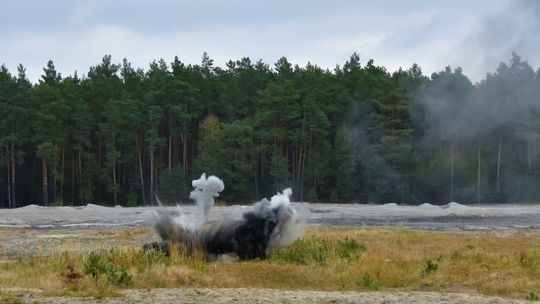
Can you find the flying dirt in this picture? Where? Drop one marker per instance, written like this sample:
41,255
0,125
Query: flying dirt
266,226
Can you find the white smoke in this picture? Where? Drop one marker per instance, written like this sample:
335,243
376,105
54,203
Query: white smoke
290,225
206,189
268,225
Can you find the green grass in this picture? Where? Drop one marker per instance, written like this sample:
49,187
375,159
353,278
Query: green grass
319,251
323,259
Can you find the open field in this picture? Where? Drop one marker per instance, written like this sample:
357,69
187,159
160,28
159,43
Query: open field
395,262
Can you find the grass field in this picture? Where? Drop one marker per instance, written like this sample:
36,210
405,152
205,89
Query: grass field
323,259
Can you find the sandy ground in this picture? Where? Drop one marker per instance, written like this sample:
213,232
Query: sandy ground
452,216
249,295
45,242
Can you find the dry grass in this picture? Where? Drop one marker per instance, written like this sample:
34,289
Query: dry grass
324,259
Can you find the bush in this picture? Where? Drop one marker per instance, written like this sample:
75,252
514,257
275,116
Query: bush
71,274
349,249
94,266
303,252
429,267
319,251
120,277
368,282
112,264
145,260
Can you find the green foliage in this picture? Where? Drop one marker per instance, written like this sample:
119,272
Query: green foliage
319,251
349,249
368,282
354,134
303,251
120,277
532,296
430,267
172,185
95,266
8,298
145,260
112,264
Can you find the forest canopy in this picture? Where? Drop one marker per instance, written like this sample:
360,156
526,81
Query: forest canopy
120,135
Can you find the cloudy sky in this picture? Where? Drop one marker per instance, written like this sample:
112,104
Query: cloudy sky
474,34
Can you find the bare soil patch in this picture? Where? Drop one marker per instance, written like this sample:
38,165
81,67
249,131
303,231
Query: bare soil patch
251,295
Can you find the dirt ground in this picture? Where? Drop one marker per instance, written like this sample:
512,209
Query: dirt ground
45,242
449,217
249,295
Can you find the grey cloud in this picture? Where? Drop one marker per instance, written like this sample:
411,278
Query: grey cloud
76,34
512,28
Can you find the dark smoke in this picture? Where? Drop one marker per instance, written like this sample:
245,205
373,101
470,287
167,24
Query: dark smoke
268,225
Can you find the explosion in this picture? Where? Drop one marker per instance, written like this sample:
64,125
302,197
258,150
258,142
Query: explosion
266,226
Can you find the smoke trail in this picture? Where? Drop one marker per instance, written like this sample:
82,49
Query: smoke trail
268,225
205,191
178,227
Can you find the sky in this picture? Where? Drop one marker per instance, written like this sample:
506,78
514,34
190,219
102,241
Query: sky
475,34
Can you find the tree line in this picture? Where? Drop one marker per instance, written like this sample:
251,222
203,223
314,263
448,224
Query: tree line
357,133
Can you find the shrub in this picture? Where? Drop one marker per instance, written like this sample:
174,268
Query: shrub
94,266
319,251
303,252
369,282
349,249
113,264
71,274
429,267
145,260
120,277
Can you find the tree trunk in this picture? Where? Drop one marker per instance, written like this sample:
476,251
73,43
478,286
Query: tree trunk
452,168
529,157
81,197
170,142
45,184
114,183
256,183
299,173
62,173
170,152
151,194
184,154
141,175
294,168
498,184
262,171
1,190
54,181
72,178
286,161
114,169
99,184
13,175
8,178
478,175
302,170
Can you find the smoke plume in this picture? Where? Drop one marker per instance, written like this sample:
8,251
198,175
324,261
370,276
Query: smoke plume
510,27
266,226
